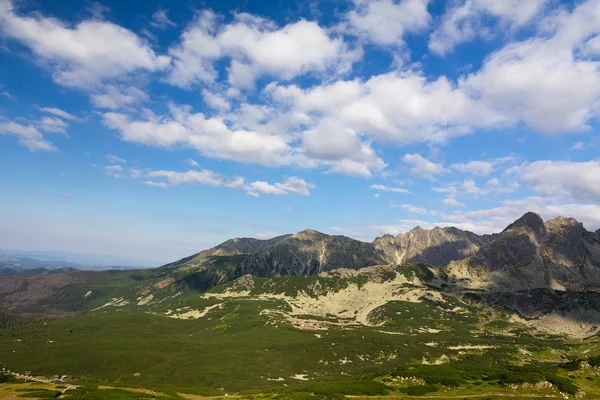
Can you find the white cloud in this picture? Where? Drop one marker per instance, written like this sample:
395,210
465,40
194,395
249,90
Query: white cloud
427,111
116,171
451,201
160,20
341,147
259,187
194,56
216,101
210,136
385,22
191,162
83,55
384,188
113,97
156,184
422,167
115,159
578,146
411,209
28,136
495,219
8,95
469,186
204,177
51,124
267,235
59,113
572,180
478,168
245,137
295,185
256,46
545,81
467,19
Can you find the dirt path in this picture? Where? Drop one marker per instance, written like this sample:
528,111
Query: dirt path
68,388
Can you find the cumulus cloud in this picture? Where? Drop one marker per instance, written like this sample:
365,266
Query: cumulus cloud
260,187
295,185
385,22
468,19
479,168
451,201
113,97
82,55
210,136
573,180
255,46
422,167
216,101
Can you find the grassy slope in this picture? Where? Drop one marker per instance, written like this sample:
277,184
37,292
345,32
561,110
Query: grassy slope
238,348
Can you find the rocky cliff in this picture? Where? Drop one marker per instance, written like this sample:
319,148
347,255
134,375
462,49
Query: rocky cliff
559,254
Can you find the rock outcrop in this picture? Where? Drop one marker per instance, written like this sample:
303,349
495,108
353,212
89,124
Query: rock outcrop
559,254
436,247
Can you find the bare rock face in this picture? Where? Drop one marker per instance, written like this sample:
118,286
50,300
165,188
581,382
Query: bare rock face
310,252
436,247
515,246
559,254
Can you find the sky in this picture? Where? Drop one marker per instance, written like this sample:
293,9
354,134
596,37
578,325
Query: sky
152,130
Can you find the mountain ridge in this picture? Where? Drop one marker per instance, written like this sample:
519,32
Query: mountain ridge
558,254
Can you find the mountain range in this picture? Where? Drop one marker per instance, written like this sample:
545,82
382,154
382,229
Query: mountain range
558,254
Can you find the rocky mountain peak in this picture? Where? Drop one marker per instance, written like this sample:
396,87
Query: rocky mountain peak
309,234
530,222
417,229
559,254
563,224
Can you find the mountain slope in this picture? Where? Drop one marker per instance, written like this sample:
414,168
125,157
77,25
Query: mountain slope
559,254
310,252
435,247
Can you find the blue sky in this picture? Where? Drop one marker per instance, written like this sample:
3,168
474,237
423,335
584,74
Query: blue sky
152,130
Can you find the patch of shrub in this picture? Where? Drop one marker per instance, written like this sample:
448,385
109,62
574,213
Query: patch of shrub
419,390
6,378
41,394
594,361
571,365
563,384
358,387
